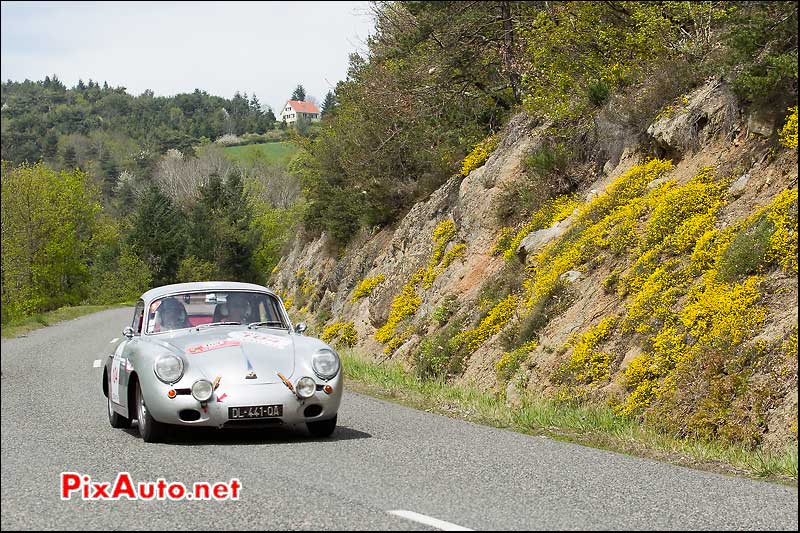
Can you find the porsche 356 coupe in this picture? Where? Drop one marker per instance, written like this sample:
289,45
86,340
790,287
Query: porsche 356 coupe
219,354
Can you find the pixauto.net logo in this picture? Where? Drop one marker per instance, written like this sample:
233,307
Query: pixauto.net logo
81,486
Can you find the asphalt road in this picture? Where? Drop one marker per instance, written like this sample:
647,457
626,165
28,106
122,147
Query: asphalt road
382,458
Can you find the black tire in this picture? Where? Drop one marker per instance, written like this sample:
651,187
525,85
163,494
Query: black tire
150,429
115,419
323,428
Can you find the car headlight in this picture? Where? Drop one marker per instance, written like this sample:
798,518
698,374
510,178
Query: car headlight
305,387
202,390
325,363
169,368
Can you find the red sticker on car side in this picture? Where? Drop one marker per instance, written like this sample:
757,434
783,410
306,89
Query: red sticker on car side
207,347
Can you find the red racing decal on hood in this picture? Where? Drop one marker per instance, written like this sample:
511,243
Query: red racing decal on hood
208,346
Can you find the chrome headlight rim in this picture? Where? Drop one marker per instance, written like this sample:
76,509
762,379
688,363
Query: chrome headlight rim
305,383
326,374
168,379
210,390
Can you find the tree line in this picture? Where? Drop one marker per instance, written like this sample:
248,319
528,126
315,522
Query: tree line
105,195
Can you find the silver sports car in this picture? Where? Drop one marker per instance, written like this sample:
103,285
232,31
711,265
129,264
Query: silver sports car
219,354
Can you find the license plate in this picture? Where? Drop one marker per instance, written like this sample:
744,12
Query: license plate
255,411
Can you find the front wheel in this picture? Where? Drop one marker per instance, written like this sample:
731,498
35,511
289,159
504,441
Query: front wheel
323,428
150,429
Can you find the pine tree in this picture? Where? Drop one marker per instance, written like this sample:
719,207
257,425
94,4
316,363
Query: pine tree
299,93
329,103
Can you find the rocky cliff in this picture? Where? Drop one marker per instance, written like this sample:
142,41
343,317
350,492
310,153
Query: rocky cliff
663,281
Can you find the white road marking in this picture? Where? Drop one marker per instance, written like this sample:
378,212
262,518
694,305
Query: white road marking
115,339
96,363
428,521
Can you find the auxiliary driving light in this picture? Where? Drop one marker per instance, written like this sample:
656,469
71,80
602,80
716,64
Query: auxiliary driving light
305,387
202,390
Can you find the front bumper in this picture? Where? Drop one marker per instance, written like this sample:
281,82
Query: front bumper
215,412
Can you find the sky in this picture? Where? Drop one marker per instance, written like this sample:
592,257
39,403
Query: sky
265,48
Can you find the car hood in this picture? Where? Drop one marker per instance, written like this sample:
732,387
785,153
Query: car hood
235,355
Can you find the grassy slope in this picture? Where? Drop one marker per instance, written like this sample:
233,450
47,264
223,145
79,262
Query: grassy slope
278,152
24,326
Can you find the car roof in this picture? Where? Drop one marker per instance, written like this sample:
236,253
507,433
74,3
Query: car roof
165,290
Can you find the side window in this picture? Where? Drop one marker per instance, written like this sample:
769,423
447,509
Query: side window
138,317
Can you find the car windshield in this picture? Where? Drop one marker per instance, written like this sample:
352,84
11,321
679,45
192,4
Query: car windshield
195,309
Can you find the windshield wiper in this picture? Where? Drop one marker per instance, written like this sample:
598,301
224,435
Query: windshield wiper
269,324
218,324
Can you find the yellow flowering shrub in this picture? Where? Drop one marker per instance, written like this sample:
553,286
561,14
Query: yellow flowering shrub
587,365
609,220
717,312
680,204
782,212
408,301
479,154
287,302
788,134
342,333
552,211
494,321
433,272
651,305
404,305
366,286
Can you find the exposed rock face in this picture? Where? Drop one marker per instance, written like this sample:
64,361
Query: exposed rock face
398,253
706,132
706,113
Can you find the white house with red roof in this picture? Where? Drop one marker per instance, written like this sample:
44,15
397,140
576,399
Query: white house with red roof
295,109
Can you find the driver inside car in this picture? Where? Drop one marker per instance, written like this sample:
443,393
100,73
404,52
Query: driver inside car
172,315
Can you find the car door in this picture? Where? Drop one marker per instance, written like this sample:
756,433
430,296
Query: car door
121,364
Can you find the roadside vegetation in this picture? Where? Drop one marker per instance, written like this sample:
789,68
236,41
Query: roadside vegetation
592,425
16,328
691,281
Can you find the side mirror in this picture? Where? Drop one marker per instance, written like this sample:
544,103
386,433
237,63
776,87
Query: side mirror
128,332
300,327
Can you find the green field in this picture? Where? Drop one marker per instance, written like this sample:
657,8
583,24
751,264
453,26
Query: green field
278,152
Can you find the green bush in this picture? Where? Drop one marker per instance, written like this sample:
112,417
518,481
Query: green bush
442,313
440,355
548,159
747,253
598,93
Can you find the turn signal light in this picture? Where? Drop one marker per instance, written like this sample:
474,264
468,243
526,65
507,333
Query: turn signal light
328,389
172,393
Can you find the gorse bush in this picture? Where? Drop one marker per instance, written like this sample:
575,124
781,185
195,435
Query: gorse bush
788,134
508,365
408,301
340,334
586,364
478,156
366,286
